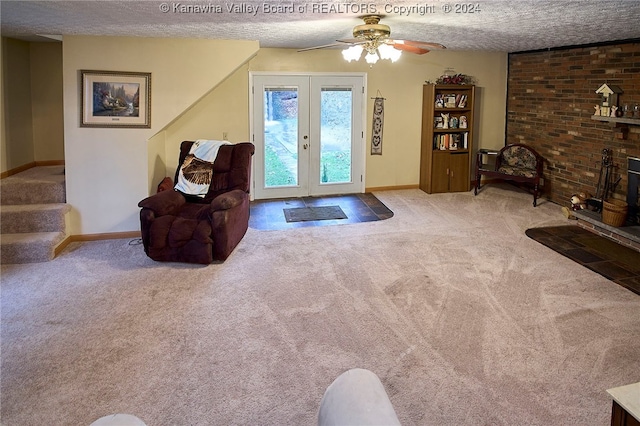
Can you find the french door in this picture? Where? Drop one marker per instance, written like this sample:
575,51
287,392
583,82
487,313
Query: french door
308,133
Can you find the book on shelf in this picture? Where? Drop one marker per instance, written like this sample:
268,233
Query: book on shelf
441,141
451,141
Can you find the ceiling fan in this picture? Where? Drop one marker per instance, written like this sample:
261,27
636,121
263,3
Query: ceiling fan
374,38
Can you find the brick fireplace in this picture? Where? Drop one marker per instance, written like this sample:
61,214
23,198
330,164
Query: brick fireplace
550,101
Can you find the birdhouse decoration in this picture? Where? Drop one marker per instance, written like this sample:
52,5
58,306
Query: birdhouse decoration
608,100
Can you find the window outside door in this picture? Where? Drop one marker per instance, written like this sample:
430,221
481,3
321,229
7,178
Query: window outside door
308,132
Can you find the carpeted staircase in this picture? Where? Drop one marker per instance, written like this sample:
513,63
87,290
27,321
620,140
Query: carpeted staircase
32,214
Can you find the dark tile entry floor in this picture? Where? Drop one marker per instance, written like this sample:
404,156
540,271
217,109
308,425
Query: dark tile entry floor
613,261
269,214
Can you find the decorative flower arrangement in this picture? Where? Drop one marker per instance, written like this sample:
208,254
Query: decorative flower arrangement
455,79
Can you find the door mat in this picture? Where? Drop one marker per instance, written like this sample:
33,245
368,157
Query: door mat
613,261
307,214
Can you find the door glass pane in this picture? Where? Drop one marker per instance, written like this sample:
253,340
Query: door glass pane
281,136
335,135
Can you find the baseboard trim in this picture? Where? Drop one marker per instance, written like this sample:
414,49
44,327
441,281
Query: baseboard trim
63,244
17,170
29,166
107,236
94,237
49,163
391,188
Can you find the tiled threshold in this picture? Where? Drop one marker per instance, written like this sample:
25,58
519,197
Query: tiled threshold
628,236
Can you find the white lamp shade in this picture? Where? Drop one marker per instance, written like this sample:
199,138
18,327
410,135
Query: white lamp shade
389,52
352,53
371,58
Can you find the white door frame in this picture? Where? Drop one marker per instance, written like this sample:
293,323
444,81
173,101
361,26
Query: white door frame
257,127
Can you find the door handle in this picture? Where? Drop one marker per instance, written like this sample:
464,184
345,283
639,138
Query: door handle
305,146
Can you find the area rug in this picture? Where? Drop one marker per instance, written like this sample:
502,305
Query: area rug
307,214
613,261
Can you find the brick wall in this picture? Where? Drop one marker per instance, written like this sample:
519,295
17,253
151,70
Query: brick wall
550,101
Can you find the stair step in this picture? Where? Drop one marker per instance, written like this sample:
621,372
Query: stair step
32,214
38,185
29,218
29,247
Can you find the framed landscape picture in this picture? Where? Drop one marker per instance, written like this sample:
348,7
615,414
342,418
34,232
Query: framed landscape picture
115,99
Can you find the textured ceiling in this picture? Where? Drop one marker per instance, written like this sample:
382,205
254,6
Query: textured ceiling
497,25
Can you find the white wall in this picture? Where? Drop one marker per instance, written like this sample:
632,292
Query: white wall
17,124
46,100
200,89
108,170
225,109
401,84
31,102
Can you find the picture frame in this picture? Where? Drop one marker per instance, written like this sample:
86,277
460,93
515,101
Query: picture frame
450,101
115,99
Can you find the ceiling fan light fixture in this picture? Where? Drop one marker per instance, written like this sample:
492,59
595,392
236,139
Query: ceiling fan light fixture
371,32
352,53
373,39
389,52
371,29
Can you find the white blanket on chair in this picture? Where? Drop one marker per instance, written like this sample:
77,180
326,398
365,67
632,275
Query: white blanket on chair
196,172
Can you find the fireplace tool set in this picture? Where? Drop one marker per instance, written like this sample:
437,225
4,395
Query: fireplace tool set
605,185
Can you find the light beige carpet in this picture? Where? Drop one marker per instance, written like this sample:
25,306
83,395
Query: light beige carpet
464,318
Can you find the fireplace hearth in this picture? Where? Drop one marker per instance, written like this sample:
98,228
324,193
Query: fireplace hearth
592,221
629,233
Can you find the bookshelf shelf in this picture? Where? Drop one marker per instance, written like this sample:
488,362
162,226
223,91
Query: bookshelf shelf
447,137
450,130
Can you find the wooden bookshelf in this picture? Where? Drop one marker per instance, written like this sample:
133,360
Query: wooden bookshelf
446,143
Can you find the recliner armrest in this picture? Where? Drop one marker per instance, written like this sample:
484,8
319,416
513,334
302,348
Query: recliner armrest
228,200
163,203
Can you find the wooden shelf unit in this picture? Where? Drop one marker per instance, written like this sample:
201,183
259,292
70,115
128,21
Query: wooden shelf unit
443,169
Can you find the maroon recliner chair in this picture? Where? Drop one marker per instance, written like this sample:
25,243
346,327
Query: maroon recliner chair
180,228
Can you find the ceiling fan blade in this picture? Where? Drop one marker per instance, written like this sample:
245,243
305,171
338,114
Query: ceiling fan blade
321,47
409,48
422,44
352,41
